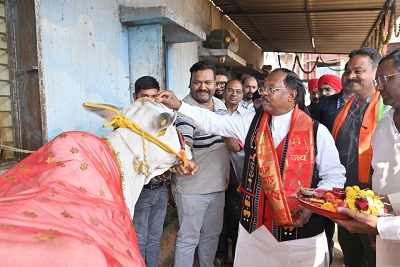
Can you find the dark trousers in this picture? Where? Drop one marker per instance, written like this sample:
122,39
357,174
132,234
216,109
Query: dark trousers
357,250
329,232
231,221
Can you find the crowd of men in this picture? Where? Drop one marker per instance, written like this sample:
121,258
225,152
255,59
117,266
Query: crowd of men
255,144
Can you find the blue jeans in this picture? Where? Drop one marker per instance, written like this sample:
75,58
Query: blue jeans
148,220
200,223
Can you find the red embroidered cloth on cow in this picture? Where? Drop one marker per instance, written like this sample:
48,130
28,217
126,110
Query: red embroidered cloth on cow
70,187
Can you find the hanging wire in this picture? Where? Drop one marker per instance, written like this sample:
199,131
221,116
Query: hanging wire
302,69
279,60
320,57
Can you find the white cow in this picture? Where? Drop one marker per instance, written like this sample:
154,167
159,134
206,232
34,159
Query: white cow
64,204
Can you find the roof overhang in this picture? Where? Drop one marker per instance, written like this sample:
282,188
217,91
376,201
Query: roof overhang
307,26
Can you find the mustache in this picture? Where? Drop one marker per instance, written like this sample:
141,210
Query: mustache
352,81
204,91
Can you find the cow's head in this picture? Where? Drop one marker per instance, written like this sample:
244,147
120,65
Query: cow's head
135,151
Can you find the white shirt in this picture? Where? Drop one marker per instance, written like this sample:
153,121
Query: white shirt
330,170
386,181
386,160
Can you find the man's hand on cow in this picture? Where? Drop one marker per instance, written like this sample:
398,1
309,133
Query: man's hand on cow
191,168
359,222
169,99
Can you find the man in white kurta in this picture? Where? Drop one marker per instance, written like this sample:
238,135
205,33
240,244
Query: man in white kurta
260,245
386,181
386,165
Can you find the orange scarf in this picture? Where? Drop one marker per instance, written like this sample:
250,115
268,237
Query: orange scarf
298,166
374,112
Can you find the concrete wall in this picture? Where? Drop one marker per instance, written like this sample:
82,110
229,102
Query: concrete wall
84,55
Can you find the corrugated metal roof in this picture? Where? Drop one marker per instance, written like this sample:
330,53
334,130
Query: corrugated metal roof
290,25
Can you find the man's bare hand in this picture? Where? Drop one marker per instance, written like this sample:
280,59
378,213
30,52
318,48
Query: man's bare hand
169,99
300,216
191,168
359,222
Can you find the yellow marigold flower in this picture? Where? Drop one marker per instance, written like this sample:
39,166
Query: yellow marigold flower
351,194
328,206
361,193
373,210
352,204
369,193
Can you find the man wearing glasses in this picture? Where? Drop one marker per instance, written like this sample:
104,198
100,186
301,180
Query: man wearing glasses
284,148
352,131
232,95
329,84
386,165
222,76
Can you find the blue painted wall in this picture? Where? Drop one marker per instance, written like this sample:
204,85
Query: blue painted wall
83,54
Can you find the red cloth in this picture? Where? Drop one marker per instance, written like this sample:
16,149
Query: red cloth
313,83
298,167
332,80
69,188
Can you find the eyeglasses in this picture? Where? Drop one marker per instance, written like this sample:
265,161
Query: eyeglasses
269,89
327,90
222,84
381,80
231,91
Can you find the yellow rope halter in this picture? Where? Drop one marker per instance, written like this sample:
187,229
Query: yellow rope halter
122,121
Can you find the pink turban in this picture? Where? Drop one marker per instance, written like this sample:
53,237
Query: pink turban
313,83
332,80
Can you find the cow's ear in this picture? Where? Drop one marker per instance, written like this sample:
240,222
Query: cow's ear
163,121
102,112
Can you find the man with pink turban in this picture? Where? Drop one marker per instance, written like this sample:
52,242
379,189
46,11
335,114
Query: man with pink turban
329,84
314,97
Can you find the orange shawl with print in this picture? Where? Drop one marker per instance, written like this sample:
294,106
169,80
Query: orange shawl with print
298,165
374,112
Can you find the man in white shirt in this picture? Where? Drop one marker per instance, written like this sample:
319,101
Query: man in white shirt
232,94
386,165
250,85
284,148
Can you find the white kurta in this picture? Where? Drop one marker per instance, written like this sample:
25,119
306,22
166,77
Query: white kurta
386,181
260,247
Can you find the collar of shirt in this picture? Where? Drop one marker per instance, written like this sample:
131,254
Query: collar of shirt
280,127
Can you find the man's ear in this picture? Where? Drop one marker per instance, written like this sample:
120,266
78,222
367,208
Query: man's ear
292,94
134,96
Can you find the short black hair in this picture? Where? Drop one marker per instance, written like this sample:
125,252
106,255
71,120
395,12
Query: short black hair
201,65
395,55
372,53
146,82
293,82
223,72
